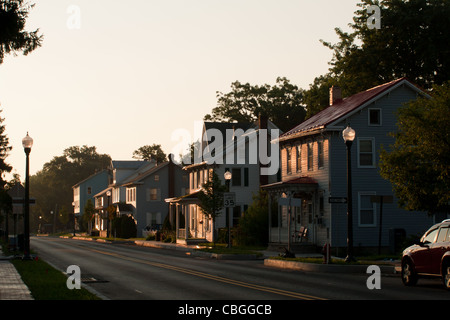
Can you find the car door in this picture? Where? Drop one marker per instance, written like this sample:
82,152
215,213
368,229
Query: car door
438,249
422,255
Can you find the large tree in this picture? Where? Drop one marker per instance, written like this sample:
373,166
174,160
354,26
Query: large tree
13,37
418,164
412,42
53,184
153,152
281,103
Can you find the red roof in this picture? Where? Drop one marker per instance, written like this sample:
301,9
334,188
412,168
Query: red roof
339,109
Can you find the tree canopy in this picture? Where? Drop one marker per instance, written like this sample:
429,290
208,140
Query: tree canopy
153,152
53,184
418,164
281,103
412,42
13,37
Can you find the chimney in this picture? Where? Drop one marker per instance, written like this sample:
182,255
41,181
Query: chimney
262,121
335,95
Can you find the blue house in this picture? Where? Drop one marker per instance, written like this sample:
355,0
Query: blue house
312,192
87,188
146,190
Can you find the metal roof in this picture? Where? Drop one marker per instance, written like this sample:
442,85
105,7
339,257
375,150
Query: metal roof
340,109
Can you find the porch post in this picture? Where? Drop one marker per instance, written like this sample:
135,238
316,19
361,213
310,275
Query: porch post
186,223
177,221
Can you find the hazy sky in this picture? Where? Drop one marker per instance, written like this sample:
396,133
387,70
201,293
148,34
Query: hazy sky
123,74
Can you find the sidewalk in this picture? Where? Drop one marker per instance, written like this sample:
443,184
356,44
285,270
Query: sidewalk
11,284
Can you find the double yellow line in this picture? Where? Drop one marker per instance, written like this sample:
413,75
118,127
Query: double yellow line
286,293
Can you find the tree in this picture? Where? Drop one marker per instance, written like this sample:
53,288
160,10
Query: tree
5,148
153,152
412,42
253,227
281,103
88,216
211,199
13,38
418,164
53,184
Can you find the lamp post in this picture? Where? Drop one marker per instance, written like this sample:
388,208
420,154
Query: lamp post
349,135
27,143
227,175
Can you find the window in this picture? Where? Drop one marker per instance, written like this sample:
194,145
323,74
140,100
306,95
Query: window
89,190
299,157
366,152
374,117
236,177
246,177
430,236
320,154
288,160
442,237
310,156
131,194
156,177
367,212
153,194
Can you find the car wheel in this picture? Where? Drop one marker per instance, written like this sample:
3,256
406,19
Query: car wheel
446,276
409,276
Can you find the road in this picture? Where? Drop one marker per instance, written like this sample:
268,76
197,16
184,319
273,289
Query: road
129,272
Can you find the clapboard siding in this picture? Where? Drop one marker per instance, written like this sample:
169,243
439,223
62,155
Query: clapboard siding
366,180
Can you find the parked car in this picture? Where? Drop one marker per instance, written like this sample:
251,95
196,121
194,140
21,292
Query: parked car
430,257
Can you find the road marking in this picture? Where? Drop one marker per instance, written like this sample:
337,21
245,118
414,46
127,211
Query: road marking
215,278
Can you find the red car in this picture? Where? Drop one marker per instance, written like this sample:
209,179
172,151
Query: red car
430,257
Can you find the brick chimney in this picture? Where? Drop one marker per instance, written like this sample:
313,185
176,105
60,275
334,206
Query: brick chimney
335,95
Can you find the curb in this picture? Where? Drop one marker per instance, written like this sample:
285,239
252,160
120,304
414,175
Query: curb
328,268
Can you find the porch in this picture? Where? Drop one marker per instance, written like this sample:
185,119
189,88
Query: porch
293,225
191,225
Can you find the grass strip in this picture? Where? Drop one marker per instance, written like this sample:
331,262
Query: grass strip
47,283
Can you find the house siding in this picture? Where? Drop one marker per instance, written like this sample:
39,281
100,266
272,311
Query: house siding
366,180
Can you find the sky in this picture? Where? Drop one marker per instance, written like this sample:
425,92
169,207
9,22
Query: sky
119,75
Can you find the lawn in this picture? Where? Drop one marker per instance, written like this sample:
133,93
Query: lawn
47,283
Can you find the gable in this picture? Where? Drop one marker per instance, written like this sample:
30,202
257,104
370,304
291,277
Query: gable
345,108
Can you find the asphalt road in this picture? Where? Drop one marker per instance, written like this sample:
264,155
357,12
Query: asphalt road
129,272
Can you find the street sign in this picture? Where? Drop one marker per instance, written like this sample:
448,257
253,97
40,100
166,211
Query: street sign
337,200
229,199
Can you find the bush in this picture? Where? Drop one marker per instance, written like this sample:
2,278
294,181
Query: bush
124,227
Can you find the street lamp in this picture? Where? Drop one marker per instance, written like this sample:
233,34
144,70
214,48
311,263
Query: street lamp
349,135
27,143
227,175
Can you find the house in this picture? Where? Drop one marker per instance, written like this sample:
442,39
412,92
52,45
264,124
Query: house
111,200
146,190
313,189
226,147
87,188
